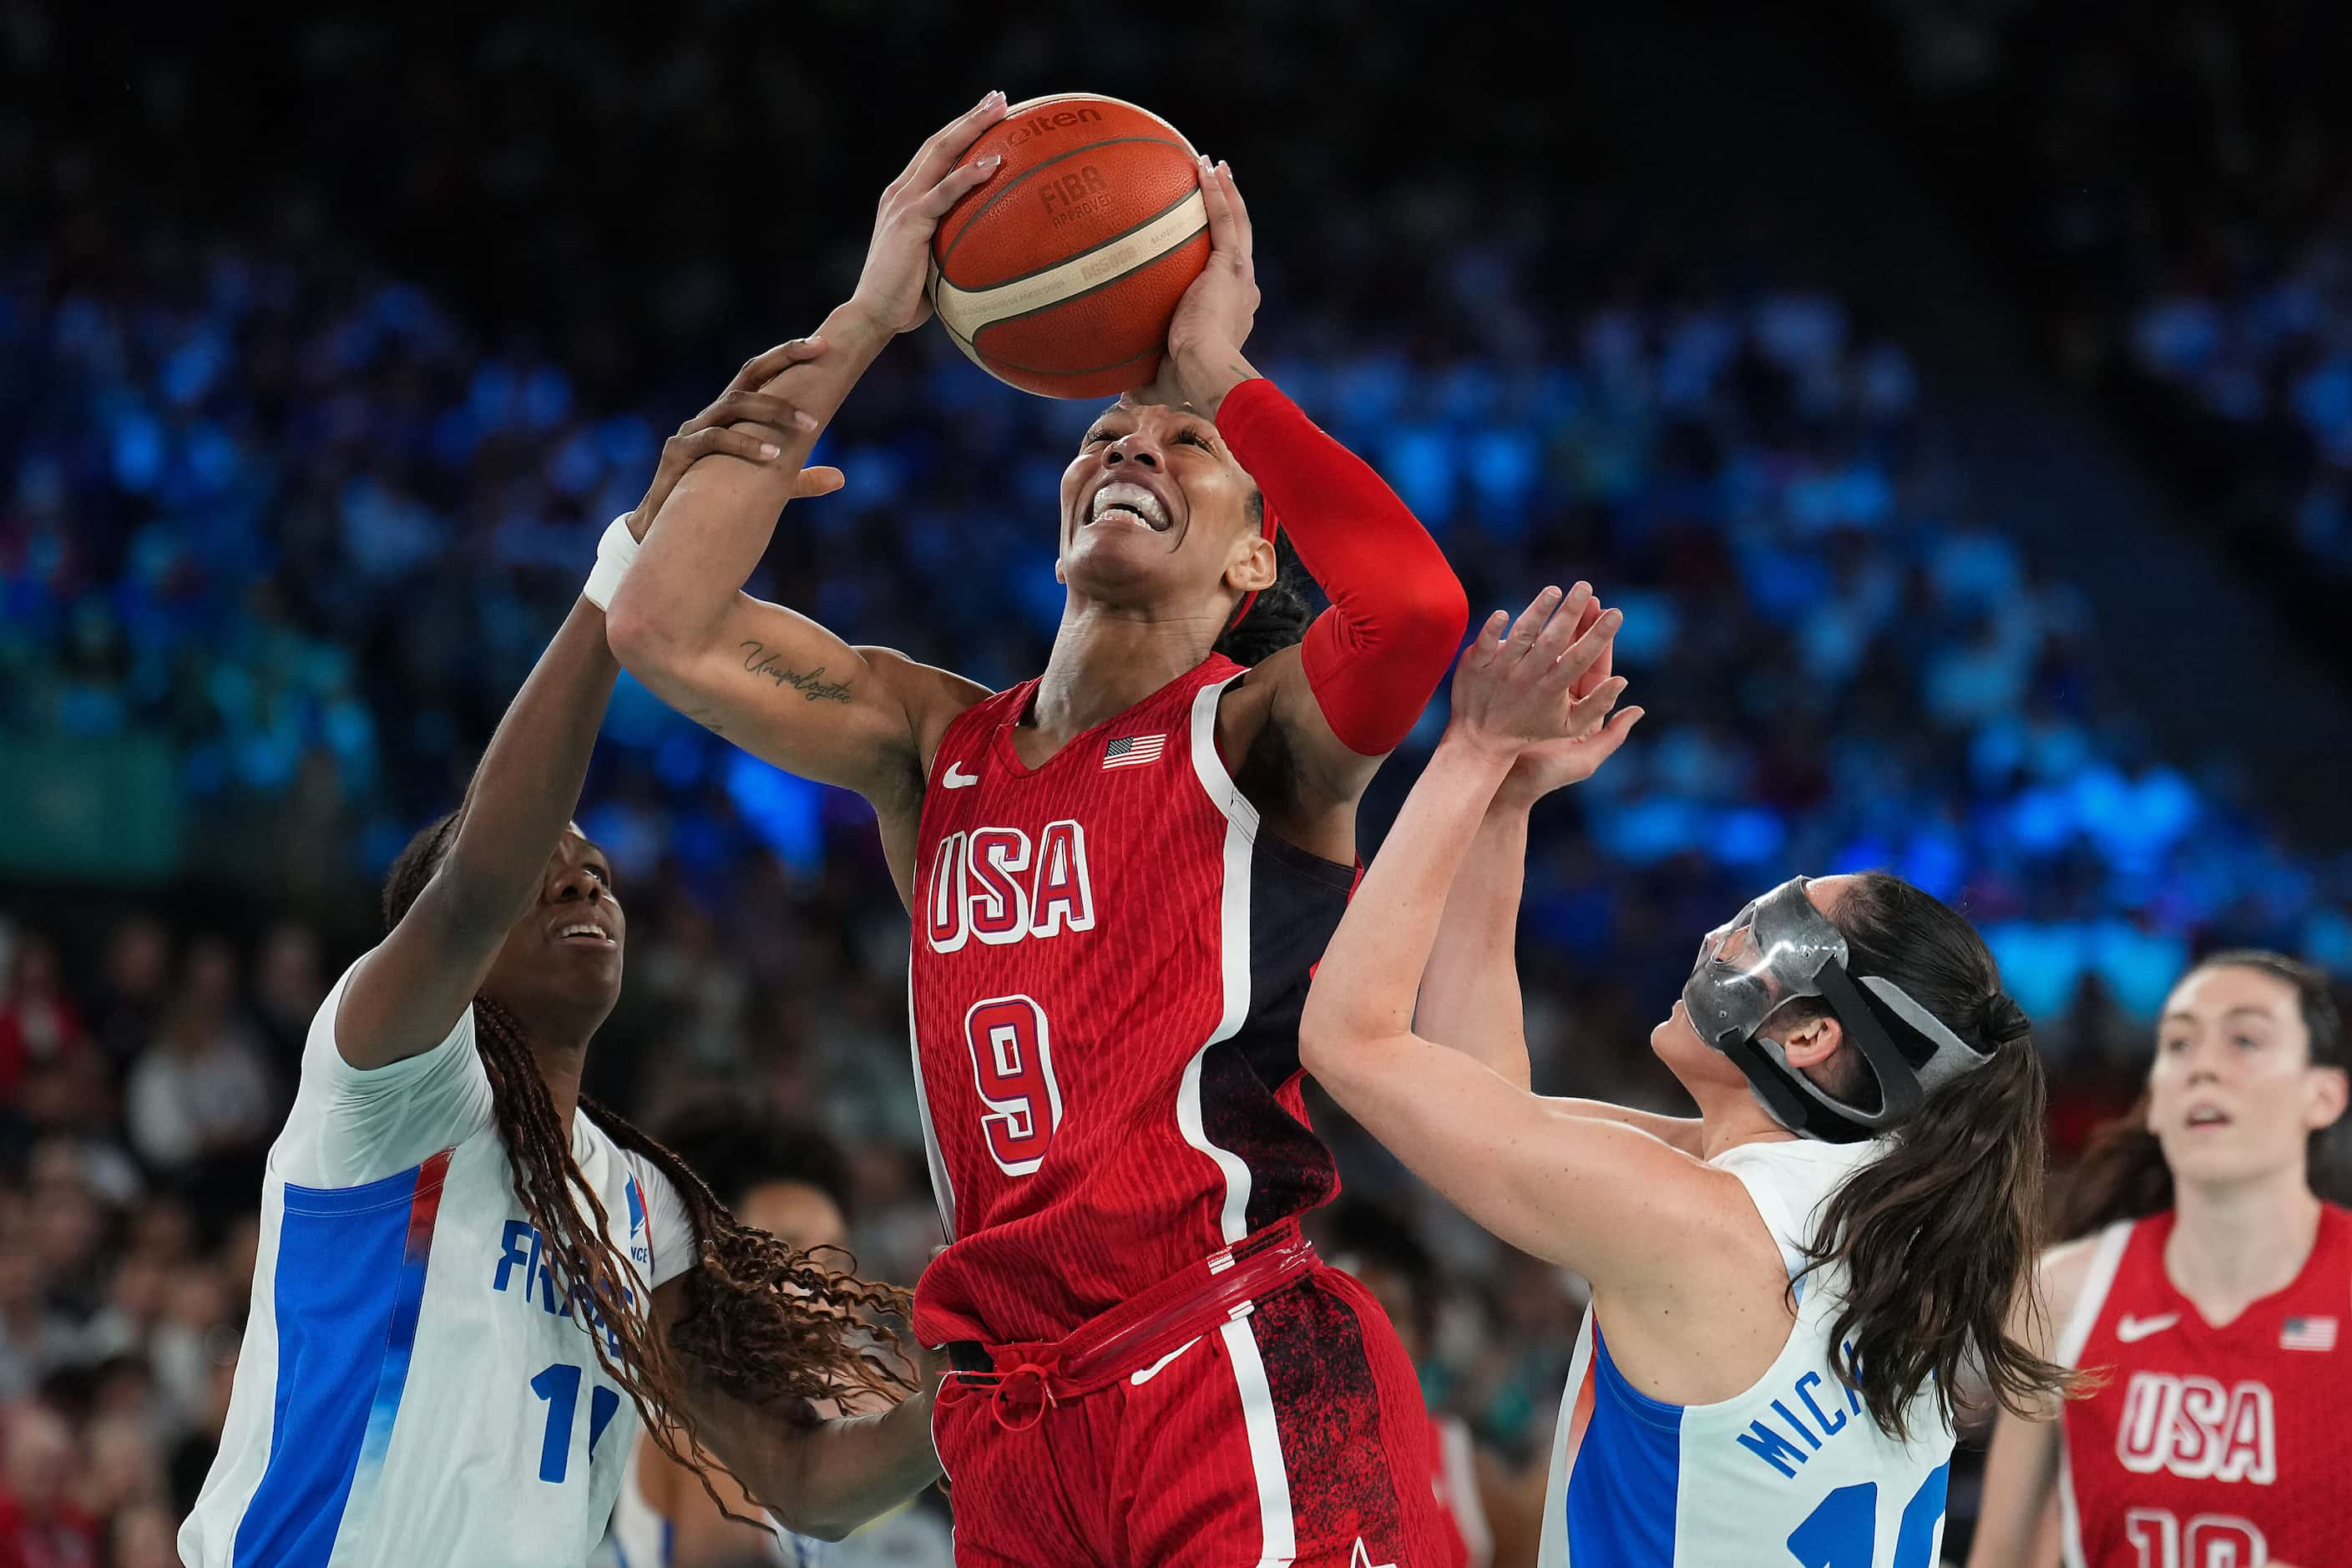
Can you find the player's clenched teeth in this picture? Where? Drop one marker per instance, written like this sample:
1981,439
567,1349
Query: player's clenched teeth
1134,500
584,931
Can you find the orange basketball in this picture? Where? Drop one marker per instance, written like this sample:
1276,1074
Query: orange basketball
1060,274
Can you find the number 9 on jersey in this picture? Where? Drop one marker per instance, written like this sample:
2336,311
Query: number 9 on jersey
1013,1068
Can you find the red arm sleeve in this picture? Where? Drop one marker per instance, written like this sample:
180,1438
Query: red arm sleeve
1397,610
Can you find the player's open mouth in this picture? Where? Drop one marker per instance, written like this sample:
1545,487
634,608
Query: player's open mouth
585,933
2207,1116
1129,503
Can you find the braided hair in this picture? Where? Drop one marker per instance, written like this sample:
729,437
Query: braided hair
1281,613
763,1323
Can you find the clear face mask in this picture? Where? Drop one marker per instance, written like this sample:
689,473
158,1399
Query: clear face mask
1779,948
1770,952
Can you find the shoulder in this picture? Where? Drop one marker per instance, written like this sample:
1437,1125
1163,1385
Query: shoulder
1734,1204
2063,1272
658,1219
922,687
322,1056
2063,1281
931,698
1785,1181
1279,747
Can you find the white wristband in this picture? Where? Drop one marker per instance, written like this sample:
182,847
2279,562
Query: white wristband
613,553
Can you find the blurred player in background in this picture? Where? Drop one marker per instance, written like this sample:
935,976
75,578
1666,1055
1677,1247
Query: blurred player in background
1785,1289
2209,1286
788,1180
473,1284
1120,874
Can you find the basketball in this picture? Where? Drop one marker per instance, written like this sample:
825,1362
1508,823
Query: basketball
1060,274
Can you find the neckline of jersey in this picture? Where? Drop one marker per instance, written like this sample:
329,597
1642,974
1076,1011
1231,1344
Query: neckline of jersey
2193,1316
1001,742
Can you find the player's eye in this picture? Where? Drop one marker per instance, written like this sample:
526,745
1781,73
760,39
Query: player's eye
2175,1044
1098,434
1196,438
2246,1042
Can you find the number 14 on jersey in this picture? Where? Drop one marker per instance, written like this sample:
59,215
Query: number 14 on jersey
1842,1533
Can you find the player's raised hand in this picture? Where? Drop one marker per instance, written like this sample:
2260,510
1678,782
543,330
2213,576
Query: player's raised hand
1214,319
773,422
1595,732
891,290
1516,686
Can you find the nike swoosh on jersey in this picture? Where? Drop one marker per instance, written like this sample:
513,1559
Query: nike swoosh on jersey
2130,1330
956,778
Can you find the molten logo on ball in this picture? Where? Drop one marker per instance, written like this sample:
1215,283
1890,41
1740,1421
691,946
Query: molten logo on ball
1039,124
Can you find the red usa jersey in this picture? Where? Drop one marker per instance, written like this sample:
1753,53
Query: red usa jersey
2209,1448
1110,961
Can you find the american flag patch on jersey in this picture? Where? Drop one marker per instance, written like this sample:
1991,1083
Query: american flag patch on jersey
1133,751
2308,1335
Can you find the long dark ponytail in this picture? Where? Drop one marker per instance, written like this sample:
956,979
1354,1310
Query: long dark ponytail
763,1323
2122,1174
1937,1237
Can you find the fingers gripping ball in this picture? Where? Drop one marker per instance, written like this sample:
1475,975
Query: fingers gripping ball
1060,273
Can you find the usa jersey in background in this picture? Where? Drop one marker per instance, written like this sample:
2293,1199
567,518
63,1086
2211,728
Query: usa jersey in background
411,1388
2209,1448
1792,1472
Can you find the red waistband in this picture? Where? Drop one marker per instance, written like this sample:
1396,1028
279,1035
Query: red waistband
1137,1333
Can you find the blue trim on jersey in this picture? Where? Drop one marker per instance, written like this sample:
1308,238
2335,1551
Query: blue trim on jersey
1625,1487
347,1292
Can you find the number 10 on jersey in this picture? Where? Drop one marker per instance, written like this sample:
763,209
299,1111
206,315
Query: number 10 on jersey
1013,1068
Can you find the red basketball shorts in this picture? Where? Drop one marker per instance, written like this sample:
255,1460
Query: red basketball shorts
1295,1435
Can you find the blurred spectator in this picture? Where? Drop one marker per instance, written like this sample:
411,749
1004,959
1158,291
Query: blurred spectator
288,987
138,971
42,1524
143,1536
31,1341
201,1104
40,1029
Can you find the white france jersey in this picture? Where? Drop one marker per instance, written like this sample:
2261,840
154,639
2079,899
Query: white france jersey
411,1389
1792,1472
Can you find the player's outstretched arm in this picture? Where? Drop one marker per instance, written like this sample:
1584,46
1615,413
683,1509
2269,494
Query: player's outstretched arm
1470,990
1554,1183
773,681
1470,996
407,995
1354,688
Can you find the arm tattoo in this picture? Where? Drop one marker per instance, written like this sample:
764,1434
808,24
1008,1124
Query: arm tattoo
811,684
708,719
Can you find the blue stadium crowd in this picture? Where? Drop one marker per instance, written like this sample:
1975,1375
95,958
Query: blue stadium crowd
2170,181
297,520
314,531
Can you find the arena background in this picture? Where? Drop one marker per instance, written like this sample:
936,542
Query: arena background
1957,395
